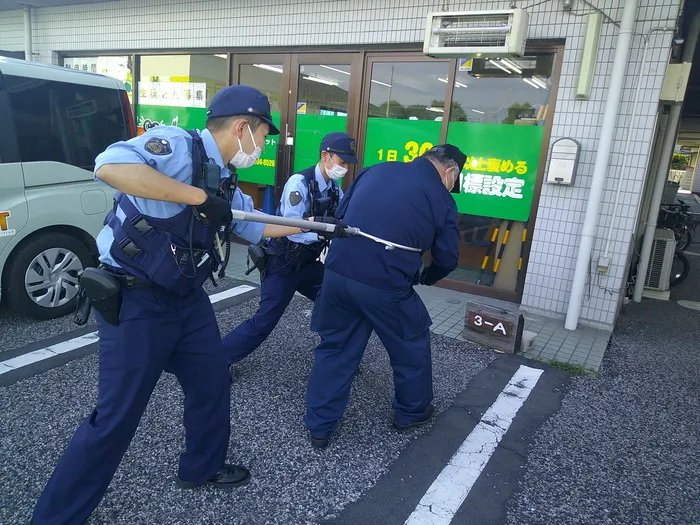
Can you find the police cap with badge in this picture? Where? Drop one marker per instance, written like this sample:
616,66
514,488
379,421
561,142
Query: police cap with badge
342,145
242,101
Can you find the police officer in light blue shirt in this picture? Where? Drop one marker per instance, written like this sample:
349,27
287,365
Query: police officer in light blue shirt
157,248
292,263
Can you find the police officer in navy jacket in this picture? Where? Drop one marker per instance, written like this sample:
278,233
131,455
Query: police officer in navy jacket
367,287
158,244
293,263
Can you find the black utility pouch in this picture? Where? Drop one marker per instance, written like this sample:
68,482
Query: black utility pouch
104,291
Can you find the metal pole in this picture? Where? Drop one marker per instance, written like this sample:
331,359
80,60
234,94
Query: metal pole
315,226
607,134
662,171
28,53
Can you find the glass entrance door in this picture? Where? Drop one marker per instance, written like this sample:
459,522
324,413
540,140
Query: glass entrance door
311,95
324,90
270,75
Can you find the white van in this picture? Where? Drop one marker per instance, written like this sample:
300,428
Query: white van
54,121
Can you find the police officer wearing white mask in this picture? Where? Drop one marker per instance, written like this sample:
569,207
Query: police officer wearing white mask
291,264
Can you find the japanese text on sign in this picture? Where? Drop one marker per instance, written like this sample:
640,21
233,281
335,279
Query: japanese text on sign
496,165
413,150
490,185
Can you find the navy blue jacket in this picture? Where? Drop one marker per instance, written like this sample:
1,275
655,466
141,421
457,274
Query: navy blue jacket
405,203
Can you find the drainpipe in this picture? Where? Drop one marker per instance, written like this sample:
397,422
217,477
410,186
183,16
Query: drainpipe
28,33
607,134
662,172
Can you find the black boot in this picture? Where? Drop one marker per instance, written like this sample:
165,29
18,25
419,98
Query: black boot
417,423
227,477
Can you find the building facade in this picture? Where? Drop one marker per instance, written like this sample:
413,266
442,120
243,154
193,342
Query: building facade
358,66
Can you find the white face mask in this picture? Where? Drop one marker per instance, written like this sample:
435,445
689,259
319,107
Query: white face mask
336,171
244,160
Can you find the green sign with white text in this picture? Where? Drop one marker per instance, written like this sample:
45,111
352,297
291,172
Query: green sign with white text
498,179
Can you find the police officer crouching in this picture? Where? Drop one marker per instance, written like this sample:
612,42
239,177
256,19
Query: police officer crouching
368,288
291,264
160,243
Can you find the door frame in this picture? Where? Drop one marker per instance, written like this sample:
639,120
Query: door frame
247,59
557,48
352,59
388,57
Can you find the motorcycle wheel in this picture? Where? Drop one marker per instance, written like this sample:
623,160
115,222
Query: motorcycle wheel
683,241
679,269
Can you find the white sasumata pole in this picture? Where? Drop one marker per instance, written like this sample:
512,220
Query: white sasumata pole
315,226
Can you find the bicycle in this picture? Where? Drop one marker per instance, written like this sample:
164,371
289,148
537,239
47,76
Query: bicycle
681,220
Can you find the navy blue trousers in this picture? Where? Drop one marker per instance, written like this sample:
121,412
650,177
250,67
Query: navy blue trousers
157,331
344,315
277,289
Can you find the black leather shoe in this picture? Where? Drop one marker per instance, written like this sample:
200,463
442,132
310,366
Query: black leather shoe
228,477
319,442
418,422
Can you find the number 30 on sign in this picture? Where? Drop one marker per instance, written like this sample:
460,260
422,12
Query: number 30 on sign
413,150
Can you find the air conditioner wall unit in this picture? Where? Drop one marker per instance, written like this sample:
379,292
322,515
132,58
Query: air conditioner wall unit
468,34
663,249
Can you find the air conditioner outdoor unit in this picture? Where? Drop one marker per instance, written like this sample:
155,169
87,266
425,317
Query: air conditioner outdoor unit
468,34
662,252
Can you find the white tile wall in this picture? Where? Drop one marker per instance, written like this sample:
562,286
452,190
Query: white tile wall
179,24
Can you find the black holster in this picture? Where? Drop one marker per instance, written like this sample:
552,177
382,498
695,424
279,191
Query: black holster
100,289
259,257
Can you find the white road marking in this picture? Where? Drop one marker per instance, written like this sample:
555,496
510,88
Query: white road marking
231,292
84,340
447,493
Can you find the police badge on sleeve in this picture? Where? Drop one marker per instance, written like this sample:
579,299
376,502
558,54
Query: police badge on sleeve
158,146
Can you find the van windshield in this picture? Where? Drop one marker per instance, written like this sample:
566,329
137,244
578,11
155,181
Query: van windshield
64,122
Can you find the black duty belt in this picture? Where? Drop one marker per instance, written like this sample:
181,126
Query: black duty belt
128,281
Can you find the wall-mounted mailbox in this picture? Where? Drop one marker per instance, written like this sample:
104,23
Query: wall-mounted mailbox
563,161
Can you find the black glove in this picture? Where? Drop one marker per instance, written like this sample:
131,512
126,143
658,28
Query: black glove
339,230
216,210
425,277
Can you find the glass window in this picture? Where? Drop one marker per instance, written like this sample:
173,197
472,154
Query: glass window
64,122
260,178
176,89
499,109
405,111
321,108
119,67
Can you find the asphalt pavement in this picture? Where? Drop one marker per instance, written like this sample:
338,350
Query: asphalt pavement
625,447
621,448
291,482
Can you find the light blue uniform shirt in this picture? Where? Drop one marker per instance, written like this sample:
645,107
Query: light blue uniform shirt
295,183
176,164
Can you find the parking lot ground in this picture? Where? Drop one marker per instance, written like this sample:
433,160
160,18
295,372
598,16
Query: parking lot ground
292,483
540,448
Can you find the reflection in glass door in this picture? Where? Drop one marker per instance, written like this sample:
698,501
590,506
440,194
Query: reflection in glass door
321,107
405,110
323,99
258,181
499,111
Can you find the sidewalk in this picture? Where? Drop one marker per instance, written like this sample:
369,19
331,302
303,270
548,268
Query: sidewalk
584,347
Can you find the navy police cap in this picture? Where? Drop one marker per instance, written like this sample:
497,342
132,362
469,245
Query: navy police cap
241,100
341,144
451,152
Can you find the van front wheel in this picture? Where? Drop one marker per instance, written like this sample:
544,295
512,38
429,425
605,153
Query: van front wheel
42,279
